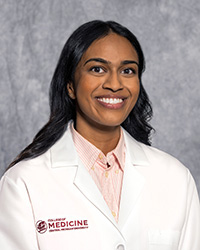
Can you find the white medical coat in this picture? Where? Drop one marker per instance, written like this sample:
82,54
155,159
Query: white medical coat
52,203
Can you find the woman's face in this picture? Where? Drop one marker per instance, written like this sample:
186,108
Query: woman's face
106,84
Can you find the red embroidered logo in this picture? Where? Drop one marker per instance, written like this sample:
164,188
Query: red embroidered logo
41,226
60,224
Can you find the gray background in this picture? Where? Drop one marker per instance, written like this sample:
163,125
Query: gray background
33,32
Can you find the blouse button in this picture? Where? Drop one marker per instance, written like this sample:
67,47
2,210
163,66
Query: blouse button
113,213
100,156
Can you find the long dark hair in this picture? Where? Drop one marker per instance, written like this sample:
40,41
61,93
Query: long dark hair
62,108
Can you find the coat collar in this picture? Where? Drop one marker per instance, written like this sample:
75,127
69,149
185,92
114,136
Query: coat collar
135,150
63,152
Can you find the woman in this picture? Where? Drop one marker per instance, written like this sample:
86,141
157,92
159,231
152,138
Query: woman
90,179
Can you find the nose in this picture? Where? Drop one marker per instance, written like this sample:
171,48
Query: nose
113,82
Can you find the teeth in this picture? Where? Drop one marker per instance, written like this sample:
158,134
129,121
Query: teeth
111,100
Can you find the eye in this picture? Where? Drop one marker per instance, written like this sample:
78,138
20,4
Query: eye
97,69
128,71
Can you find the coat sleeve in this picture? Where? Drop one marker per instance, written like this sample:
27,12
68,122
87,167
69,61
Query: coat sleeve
190,237
17,229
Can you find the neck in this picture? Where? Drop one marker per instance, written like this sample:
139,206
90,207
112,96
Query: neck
103,137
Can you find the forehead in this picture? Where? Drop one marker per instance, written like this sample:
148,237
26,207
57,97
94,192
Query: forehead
112,47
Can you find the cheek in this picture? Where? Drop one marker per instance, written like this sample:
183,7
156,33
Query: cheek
85,87
135,94
135,90
138,91
83,94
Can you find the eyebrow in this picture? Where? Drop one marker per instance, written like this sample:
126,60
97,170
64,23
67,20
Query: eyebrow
101,60
130,62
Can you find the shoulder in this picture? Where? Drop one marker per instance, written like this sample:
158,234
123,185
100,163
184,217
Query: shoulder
166,166
62,153
28,169
156,155
162,169
158,162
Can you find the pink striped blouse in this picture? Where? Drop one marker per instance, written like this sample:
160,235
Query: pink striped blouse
106,171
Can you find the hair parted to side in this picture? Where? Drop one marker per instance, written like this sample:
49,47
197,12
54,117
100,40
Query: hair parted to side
62,107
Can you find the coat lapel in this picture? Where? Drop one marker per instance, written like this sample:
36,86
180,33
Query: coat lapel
133,181
84,182
63,154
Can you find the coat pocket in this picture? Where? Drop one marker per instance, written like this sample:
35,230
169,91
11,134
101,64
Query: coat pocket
163,239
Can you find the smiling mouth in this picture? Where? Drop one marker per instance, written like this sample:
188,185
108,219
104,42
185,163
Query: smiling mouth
110,100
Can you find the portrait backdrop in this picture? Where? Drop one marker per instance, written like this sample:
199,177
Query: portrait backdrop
33,32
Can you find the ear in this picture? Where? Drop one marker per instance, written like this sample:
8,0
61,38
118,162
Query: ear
70,89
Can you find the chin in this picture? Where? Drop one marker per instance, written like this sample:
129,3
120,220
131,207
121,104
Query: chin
111,123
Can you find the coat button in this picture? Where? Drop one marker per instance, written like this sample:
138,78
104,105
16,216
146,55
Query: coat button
120,247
